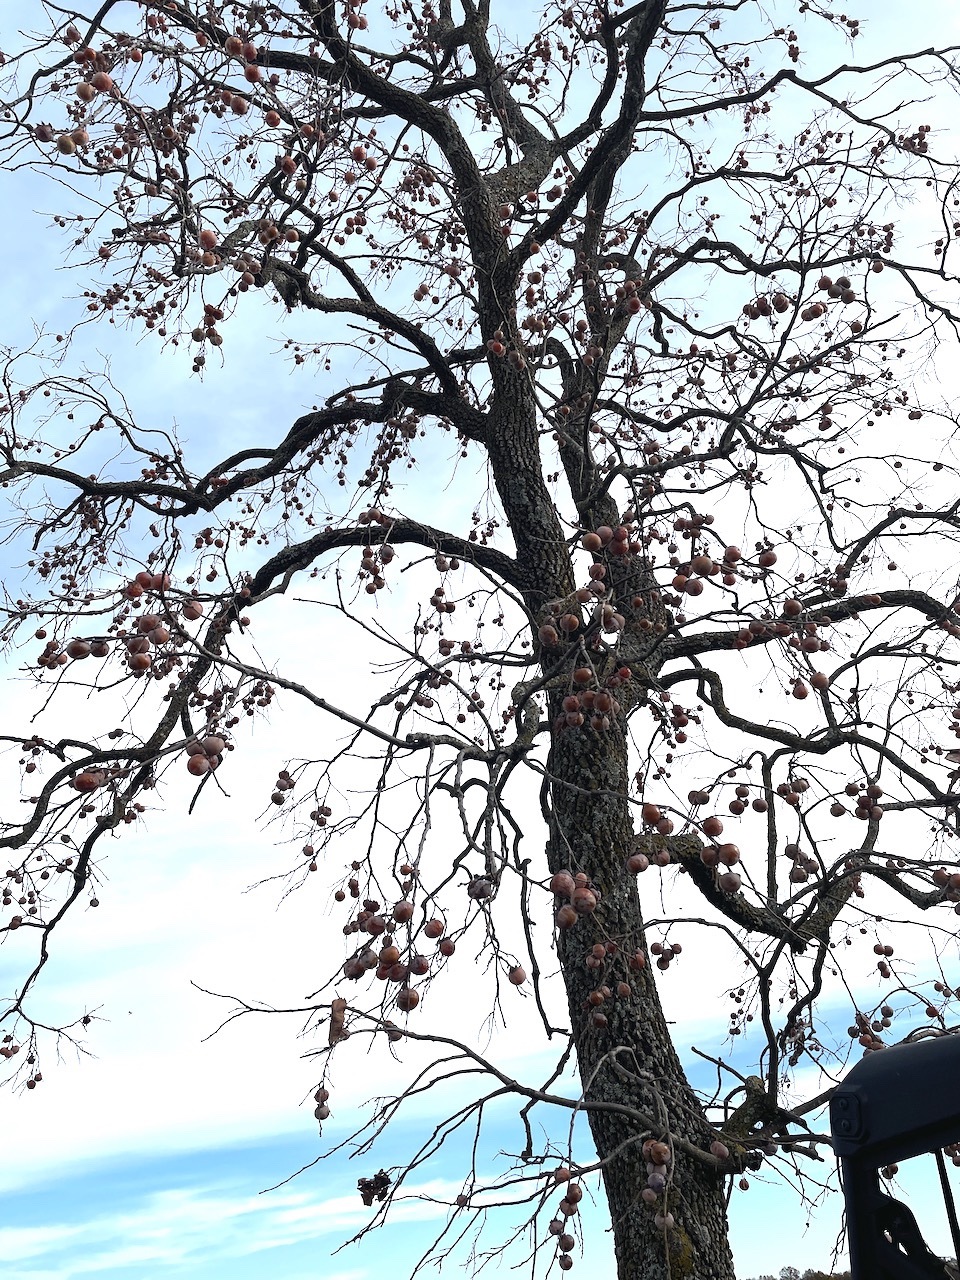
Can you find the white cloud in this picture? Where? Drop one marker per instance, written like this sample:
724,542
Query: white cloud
174,1226
175,911
20,1243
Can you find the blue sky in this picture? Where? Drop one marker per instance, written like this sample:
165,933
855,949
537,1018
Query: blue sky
149,1159
201,1214
198,1214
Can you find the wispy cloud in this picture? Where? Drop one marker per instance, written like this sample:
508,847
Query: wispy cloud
185,1227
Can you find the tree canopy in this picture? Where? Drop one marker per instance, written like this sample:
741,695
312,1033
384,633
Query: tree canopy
621,329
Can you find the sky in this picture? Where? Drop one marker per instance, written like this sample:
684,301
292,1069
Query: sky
152,1153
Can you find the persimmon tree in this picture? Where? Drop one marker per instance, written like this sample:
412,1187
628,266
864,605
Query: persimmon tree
657,290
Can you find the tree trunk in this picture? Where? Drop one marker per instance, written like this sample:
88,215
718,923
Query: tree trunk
591,832
631,1060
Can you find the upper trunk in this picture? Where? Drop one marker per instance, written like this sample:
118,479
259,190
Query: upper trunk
513,447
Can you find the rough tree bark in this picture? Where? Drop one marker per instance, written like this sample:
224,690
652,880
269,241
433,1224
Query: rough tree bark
631,1061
